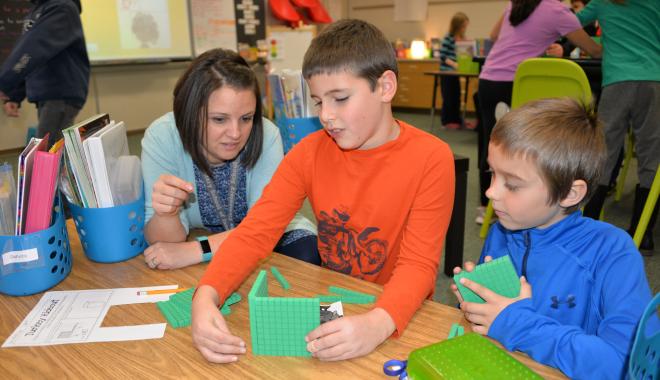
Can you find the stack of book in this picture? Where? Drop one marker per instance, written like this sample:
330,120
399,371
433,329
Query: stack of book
34,194
290,95
96,149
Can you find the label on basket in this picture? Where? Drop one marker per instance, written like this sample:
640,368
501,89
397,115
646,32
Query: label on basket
24,256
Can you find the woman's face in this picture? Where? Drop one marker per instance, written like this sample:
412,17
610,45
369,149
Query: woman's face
229,123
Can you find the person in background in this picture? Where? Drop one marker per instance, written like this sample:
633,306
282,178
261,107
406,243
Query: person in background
206,164
382,192
450,86
49,65
524,31
583,288
630,97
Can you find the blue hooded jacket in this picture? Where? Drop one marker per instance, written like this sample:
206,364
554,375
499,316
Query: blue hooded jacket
589,291
49,60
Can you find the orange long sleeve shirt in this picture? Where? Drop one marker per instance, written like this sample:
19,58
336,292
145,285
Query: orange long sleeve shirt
382,216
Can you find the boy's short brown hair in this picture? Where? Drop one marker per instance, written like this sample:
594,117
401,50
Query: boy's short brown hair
350,45
564,139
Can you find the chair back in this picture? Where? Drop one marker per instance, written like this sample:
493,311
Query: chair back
538,78
645,355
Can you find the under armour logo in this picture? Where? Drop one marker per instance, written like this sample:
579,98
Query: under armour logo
570,301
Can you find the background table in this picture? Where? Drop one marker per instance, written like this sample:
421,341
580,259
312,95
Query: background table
174,356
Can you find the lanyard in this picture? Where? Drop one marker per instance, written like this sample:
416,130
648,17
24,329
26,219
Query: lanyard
225,219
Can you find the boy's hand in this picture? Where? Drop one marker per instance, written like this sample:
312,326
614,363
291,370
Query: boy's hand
468,266
209,331
11,109
168,194
350,337
482,315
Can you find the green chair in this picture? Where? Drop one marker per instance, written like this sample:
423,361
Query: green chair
651,200
539,78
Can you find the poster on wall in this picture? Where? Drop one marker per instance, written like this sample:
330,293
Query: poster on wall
214,25
250,26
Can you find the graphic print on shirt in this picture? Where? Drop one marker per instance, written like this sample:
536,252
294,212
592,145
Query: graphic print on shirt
346,250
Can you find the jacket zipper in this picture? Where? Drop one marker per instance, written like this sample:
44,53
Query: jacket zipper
528,247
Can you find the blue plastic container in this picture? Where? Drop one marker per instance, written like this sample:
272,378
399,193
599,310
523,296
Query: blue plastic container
35,262
293,130
111,234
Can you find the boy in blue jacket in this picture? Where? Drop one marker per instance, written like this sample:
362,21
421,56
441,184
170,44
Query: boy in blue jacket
583,286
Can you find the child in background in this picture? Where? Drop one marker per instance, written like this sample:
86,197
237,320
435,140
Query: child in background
630,97
382,192
450,86
583,287
525,30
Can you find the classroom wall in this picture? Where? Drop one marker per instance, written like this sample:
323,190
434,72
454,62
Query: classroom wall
136,94
482,14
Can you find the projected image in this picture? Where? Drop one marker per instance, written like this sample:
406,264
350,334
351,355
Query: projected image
145,24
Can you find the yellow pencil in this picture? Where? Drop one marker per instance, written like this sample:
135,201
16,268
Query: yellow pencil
160,291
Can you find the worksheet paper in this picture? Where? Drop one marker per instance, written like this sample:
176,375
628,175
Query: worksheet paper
64,317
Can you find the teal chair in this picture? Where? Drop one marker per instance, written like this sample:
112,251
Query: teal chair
645,356
539,78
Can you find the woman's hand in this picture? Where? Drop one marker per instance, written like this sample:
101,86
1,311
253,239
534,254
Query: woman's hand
209,331
169,193
164,255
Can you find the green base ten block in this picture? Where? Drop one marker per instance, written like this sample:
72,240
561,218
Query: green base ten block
278,325
468,357
498,275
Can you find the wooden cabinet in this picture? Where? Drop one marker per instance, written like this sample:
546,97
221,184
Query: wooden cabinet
415,88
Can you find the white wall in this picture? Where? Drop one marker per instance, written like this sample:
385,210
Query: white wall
136,94
482,14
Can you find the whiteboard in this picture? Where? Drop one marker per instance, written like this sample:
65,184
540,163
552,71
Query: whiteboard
121,30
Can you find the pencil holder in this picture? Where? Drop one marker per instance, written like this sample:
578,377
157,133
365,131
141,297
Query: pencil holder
111,234
35,262
293,130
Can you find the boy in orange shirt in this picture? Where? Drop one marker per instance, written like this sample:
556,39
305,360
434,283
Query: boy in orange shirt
382,192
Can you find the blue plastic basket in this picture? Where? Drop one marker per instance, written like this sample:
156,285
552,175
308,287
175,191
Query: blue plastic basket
293,130
35,262
111,234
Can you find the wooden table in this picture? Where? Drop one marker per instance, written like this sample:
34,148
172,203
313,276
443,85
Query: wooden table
174,356
436,82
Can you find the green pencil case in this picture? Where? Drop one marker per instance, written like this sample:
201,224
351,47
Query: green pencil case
469,357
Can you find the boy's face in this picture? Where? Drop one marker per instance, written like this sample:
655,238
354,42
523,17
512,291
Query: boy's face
352,114
519,195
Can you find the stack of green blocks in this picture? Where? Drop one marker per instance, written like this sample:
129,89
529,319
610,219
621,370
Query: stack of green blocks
469,356
498,275
278,325
177,310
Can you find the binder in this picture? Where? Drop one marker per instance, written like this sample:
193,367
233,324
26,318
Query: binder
24,177
42,189
73,140
103,149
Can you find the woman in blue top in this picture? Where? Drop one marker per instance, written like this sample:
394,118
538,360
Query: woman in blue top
206,164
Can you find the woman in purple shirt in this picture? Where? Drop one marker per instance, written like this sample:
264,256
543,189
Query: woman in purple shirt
525,30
